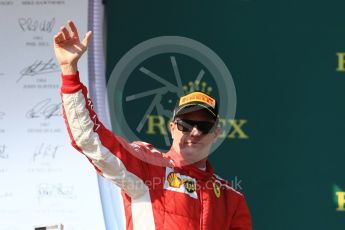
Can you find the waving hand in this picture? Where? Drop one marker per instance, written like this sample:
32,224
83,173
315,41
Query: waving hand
68,48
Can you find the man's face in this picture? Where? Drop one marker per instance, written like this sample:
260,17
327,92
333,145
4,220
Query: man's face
193,145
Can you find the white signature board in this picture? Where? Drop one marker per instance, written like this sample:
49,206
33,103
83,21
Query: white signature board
43,180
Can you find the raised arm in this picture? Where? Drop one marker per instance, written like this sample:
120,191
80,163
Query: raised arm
68,48
112,157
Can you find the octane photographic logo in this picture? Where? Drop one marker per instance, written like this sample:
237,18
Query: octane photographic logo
145,84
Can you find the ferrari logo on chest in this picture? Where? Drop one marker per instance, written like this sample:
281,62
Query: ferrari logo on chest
216,189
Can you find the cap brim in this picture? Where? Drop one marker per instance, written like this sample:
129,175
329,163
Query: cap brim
195,107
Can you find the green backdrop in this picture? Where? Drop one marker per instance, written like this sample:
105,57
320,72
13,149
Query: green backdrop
287,156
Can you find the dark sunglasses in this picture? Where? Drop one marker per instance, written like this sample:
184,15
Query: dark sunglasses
185,125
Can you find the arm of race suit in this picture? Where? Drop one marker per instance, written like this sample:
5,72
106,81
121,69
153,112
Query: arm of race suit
241,219
112,157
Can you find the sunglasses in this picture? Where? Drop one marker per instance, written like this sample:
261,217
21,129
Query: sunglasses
185,125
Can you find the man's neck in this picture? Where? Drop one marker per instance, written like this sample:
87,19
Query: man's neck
201,164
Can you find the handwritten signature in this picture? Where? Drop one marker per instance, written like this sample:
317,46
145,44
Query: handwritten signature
44,151
55,191
3,154
6,194
30,24
45,109
39,67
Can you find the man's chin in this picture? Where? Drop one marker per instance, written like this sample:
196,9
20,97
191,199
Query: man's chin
192,154
192,149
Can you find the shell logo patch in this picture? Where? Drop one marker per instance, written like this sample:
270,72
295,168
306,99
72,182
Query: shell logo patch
173,180
180,183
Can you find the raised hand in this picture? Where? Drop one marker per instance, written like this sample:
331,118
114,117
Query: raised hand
68,48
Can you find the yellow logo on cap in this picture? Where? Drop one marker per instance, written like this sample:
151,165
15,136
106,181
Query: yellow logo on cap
198,96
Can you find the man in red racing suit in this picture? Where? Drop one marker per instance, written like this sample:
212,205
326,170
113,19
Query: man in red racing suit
175,190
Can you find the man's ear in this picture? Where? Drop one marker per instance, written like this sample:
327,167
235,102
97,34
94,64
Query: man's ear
216,133
171,128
